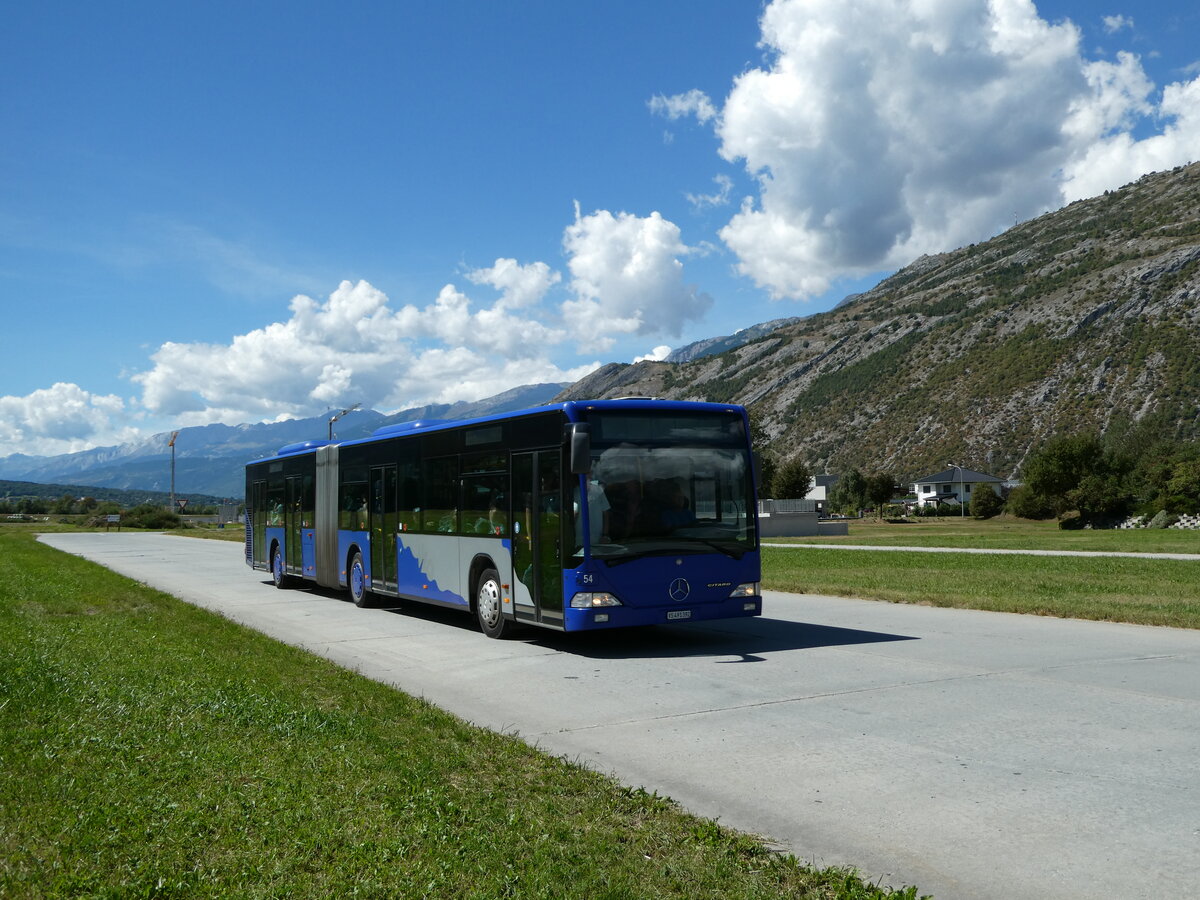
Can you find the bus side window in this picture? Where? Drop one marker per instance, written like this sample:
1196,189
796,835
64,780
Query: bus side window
308,516
441,495
275,503
352,514
485,507
409,513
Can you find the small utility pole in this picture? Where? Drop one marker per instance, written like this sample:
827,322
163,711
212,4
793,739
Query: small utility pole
962,491
171,444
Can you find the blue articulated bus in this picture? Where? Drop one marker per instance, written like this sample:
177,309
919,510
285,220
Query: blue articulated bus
576,516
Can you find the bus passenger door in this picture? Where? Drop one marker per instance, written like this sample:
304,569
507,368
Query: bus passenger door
383,528
536,541
291,523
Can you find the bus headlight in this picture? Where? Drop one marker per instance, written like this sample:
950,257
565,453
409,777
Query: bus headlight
591,599
749,589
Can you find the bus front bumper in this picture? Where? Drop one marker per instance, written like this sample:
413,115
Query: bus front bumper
630,616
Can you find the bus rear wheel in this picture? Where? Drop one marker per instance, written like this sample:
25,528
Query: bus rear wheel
278,572
489,609
357,579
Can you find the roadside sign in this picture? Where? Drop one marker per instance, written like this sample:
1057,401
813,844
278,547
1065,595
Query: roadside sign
182,503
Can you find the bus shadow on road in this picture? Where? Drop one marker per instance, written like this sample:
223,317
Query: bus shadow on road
743,640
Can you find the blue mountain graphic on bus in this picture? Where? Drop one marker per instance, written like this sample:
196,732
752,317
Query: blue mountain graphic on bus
412,579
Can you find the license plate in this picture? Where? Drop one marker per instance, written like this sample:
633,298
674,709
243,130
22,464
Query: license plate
679,614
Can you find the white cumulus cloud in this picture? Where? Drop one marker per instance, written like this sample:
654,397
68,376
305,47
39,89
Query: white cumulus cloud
719,198
355,346
63,418
658,354
883,129
520,286
1113,24
627,277
1117,157
693,103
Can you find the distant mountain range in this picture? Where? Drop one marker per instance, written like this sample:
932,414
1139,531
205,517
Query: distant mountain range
1087,318
1084,318
209,459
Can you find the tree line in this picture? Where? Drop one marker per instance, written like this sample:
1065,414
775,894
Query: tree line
1083,480
1088,479
50,495
70,505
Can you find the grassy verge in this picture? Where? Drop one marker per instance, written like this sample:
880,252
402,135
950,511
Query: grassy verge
151,749
1147,592
1010,534
59,524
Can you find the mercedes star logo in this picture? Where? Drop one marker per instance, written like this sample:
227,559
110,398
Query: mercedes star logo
679,589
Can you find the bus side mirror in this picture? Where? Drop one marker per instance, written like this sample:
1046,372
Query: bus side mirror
579,447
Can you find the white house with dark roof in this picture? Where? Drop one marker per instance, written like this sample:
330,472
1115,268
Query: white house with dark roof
953,485
819,490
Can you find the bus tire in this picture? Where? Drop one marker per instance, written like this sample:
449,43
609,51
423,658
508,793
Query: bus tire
489,607
278,572
356,578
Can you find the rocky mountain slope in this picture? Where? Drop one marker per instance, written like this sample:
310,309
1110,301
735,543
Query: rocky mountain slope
713,346
1084,318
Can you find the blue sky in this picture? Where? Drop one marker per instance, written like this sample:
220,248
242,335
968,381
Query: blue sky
246,212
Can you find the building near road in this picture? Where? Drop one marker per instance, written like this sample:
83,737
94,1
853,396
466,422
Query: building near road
953,485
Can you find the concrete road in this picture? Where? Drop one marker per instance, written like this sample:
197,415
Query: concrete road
976,755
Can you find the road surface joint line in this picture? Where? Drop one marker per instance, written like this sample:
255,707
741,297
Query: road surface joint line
783,700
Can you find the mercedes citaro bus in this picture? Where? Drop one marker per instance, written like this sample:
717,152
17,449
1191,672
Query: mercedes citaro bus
575,516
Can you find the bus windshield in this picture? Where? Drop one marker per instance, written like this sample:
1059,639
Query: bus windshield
668,484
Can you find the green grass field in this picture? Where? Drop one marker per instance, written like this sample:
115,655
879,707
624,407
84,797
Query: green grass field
1145,592
1009,534
148,748
151,749
1141,591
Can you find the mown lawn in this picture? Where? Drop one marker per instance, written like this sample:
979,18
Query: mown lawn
1121,589
1010,534
151,749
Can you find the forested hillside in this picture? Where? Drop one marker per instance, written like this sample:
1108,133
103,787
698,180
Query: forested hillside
1083,320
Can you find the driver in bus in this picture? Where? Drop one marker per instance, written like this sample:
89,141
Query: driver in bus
629,513
676,511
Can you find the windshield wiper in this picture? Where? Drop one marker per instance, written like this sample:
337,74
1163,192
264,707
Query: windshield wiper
674,551
732,553
642,554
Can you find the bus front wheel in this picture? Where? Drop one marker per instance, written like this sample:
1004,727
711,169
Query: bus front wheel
357,578
488,606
